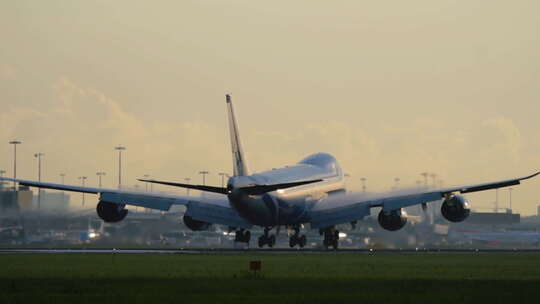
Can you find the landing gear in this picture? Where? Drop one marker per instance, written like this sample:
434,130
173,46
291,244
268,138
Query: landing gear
242,236
297,239
331,237
267,239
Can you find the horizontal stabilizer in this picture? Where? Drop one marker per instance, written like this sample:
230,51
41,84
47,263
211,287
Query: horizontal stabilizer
251,190
188,186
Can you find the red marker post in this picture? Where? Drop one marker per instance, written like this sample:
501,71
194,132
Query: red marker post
255,266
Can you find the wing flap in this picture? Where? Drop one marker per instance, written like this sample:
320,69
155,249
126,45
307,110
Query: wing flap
141,200
346,214
216,214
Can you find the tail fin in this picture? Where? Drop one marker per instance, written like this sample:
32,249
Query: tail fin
239,162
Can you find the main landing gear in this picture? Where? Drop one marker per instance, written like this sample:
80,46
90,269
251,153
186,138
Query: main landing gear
242,236
267,239
297,239
331,237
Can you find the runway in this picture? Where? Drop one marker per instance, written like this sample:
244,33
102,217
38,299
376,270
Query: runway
256,251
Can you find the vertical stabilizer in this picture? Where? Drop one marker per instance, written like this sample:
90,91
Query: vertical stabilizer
239,162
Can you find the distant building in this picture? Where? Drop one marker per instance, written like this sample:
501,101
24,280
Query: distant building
493,218
13,201
25,200
51,201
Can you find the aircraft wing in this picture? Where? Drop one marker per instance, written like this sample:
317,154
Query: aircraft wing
213,209
345,208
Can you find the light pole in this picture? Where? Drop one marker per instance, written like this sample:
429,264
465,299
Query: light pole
363,179
497,200
2,172
203,173
120,149
425,175
39,155
396,181
100,175
510,197
433,179
83,179
146,176
63,176
187,179
15,143
223,178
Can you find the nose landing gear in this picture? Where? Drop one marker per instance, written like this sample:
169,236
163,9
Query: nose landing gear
297,239
267,239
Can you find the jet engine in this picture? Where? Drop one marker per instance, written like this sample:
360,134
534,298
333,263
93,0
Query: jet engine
455,208
111,212
194,224
393,220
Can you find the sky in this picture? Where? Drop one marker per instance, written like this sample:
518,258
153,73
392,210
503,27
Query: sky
391,88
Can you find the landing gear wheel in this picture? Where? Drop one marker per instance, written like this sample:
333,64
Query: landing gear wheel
247,237
292,241
302,241
272,241
242,236
331,238
335,241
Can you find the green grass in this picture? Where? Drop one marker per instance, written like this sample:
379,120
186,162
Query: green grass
285,278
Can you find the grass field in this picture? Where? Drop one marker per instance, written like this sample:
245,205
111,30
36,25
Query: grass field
285,278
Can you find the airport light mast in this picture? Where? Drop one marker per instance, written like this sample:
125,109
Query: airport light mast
363,179
510,197
223,178
433,179
396,183
83,179
15,143
100,175
146,176
120,149
39,155
425,175
203,173
187,179
2,172
62,176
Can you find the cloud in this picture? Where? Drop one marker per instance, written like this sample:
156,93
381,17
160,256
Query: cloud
82,125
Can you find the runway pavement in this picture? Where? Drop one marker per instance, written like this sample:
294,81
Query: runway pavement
254,251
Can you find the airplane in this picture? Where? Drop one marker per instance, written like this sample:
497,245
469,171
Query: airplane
309,192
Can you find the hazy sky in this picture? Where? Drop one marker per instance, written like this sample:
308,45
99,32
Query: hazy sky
391,88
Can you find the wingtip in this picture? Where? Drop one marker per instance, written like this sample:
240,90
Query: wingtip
532,175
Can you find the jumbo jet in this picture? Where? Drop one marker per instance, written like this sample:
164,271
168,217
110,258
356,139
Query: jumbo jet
309,192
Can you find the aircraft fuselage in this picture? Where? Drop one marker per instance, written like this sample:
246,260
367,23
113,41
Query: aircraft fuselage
287,206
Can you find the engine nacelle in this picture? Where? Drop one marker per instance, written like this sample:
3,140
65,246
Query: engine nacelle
455,208
194,224
393,220
111,212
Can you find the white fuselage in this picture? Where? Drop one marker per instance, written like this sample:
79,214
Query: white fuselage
287,206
